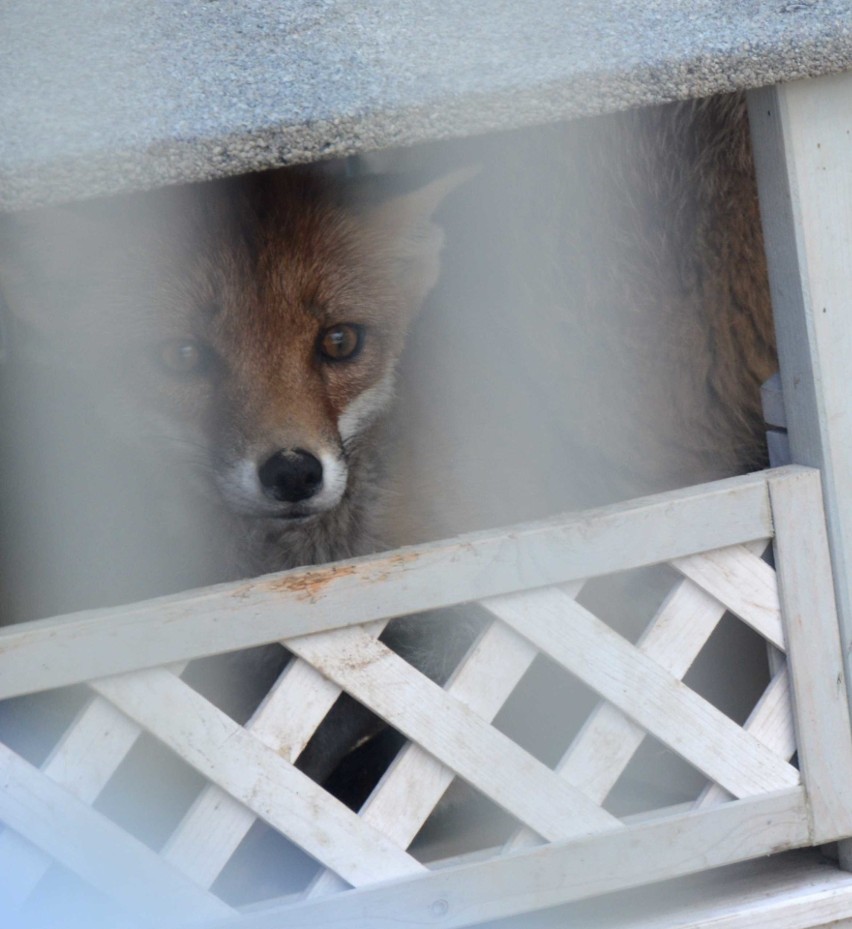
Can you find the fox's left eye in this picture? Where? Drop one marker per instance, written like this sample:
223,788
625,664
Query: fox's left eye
341,342
184,357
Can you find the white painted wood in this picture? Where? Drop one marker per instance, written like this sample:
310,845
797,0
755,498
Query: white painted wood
744,583
647,693
785,895
293,708
797,890
794,891
455,735
96,849
208,835
608,740
771,722
674,638
83,761
255,775
216,823
798,908
404,799
416,781
801,133
815,656
533,879
88,645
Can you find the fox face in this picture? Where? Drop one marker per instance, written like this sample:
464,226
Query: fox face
253,324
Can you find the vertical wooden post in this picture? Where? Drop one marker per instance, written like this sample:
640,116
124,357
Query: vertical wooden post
802,136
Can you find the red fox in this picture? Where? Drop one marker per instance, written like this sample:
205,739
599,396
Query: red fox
249,327
606,283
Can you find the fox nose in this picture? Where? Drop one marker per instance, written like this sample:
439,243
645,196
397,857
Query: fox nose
291,475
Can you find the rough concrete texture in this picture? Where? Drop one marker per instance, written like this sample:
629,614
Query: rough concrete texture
101,96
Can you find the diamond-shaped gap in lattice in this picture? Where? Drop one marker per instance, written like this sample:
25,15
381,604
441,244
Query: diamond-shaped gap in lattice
151,790
264,866
32,724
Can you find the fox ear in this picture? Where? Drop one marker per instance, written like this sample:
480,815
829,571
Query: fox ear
415,240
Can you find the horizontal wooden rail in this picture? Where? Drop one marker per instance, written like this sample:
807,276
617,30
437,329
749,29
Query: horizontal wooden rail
83,646
558,873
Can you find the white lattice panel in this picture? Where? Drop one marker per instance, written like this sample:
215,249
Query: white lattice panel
562,832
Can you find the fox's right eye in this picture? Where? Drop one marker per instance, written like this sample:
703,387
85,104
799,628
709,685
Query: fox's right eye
184,357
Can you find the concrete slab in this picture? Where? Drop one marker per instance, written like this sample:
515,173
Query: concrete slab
101,96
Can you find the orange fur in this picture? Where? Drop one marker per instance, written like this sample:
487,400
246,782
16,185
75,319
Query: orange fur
241,277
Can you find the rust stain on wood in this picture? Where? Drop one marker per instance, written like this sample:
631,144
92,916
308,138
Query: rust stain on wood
391,564
310,586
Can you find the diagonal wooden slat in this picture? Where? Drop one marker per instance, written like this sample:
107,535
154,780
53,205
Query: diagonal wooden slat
284,722
744,583
416,781
83,762
608,740
771,721
448,729
650,695
93,847
277,792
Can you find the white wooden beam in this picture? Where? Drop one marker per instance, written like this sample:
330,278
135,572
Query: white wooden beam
64,650
802,135
814,654
527,881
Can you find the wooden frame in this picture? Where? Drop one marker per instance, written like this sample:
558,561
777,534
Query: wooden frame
800,134
527,578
